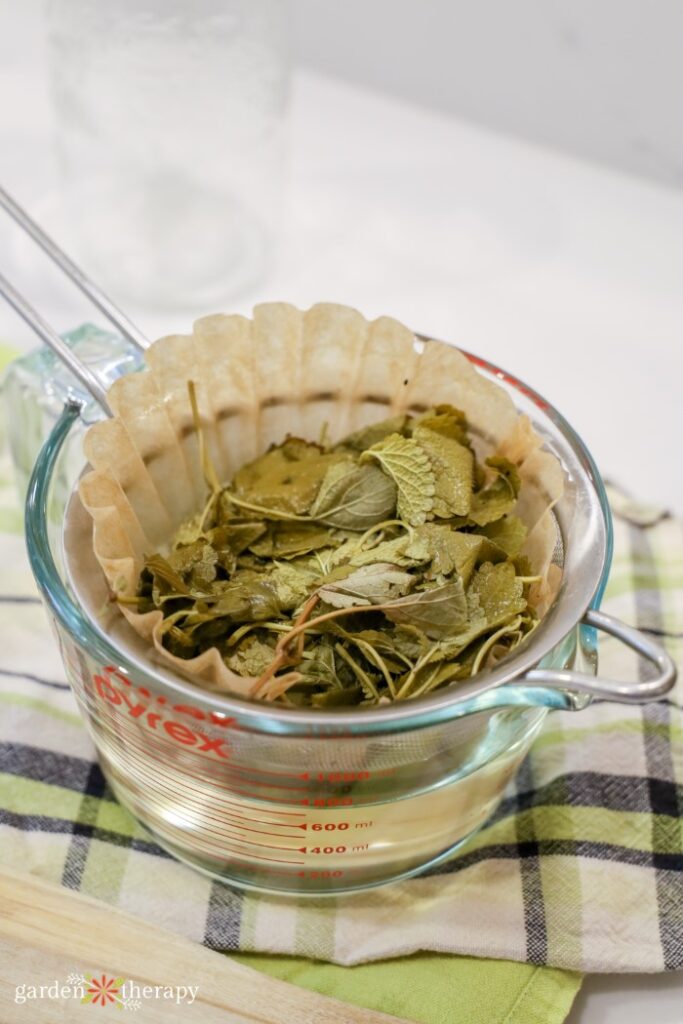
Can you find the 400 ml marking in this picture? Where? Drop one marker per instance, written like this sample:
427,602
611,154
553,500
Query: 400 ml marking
357,848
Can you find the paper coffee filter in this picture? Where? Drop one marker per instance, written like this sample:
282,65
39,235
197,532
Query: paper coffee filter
282,372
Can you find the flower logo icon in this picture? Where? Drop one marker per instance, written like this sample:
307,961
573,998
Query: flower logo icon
102,990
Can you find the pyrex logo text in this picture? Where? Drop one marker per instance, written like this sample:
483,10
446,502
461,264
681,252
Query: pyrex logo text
113,687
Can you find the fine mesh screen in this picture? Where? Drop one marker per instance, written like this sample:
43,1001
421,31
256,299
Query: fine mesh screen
558,550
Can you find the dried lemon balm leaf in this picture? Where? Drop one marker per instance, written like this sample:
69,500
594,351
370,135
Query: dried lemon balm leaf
498,499
354,497
371,584
285,479
411,469
437,611
453,468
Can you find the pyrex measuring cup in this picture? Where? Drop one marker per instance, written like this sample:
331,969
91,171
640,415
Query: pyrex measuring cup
307,802
298,801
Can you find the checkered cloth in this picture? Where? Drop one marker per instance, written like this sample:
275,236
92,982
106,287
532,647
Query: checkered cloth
581,867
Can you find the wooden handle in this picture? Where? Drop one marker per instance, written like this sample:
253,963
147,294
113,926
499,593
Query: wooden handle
48,932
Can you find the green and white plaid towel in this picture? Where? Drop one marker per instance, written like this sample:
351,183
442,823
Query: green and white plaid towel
581,868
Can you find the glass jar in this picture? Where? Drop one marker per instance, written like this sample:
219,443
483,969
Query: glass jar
170,120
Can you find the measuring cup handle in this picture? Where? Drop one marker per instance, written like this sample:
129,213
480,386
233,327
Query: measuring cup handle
612,689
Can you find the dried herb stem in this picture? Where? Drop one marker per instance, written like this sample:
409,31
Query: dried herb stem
205,461
270,513
362,676
379,527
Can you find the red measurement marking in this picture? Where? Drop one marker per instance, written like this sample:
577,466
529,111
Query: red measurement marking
153,784
158,742
146,749
223,849
162,828
225,822
260,832
336,801
266,785
249,793
223,833
265,846
331,776
272,860
262,821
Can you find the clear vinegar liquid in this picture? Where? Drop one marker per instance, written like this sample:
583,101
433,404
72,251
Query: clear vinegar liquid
305,849
326,811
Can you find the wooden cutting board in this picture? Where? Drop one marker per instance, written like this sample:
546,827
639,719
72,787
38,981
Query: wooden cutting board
48,932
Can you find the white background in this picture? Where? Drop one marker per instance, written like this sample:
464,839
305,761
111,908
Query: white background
601,79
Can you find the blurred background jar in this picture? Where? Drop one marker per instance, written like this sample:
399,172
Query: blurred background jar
170,136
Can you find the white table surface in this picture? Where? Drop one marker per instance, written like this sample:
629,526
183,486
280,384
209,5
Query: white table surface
564,272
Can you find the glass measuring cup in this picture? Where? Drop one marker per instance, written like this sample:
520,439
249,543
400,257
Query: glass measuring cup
311,802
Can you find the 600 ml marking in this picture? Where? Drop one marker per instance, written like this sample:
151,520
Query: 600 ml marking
341,826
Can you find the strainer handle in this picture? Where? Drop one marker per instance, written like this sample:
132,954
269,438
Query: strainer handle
115,316
42,328
639,692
